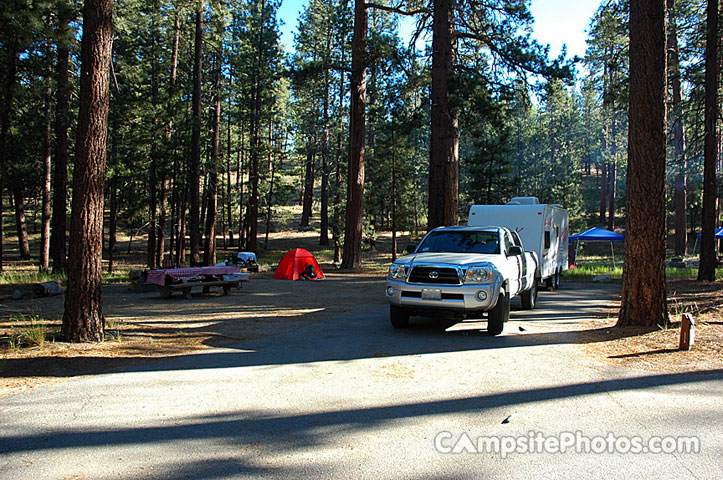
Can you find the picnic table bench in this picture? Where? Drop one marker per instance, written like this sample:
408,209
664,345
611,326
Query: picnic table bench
184,279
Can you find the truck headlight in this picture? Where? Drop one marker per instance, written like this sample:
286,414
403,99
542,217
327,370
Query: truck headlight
478,274
397,271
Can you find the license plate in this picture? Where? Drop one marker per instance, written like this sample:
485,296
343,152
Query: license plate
431,294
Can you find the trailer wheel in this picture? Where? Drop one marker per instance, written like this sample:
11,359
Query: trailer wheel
499,315
529,297
398,316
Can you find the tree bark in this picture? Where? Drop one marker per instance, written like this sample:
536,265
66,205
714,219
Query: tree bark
209,257
444,135
308,197
20,226
336,229
44,255
270,199
324,213
643,298
229,210
708,257
355,175
194,173
253,208
611,186
83,316
151,256
112,223
58,225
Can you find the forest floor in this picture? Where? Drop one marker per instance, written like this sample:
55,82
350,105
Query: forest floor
656,348
141,327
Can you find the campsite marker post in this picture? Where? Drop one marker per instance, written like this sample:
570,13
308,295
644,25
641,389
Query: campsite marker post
687,332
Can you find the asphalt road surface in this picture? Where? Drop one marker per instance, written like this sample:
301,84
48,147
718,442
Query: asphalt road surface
353,398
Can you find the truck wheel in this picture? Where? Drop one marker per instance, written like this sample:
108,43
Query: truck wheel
499,315
529,297
398,316
550,283
557,280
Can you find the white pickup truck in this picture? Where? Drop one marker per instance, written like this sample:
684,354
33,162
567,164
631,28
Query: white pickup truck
462,272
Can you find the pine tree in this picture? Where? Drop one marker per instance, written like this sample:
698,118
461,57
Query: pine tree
83,316
644,298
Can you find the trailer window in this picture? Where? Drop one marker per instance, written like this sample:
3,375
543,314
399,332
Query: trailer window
547,239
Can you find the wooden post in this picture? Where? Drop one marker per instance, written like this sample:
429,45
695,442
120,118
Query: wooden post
687,332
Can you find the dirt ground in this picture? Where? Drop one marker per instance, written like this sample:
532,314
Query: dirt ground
656,349
142,326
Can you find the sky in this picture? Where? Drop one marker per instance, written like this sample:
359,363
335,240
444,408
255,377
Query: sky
557,22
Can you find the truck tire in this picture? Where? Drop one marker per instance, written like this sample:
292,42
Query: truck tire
398,316
499,315
550,283
529,297
557,280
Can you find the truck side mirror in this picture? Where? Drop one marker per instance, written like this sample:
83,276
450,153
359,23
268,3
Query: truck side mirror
515,251
411,247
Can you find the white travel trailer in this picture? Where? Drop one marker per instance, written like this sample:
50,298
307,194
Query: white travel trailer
543,229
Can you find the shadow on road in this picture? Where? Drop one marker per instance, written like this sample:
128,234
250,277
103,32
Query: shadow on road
559,319
292,431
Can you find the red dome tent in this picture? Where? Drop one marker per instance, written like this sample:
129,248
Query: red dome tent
297,264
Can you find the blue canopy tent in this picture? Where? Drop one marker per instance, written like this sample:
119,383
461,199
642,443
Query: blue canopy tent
597,235
718,235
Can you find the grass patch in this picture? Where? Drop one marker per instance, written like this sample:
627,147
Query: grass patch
25,277
585,272
26,332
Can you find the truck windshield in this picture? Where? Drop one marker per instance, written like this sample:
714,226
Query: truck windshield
461,242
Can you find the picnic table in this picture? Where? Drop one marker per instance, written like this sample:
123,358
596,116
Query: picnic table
183,279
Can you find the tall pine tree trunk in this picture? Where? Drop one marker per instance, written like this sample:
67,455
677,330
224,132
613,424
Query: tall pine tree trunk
355,174
153,171
336,230
324,214
83,316
253,208
643,298
444,135
308,196
209,257
229,193
194,173
44,255
708,260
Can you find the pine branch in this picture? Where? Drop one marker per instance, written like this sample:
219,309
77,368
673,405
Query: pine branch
396,9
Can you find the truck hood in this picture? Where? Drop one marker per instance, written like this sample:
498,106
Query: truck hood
438,258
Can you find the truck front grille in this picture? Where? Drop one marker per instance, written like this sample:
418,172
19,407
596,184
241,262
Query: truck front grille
434,275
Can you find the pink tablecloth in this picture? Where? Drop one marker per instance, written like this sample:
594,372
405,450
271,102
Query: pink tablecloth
158,277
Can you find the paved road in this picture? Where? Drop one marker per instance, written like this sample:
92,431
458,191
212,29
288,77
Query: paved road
352,398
